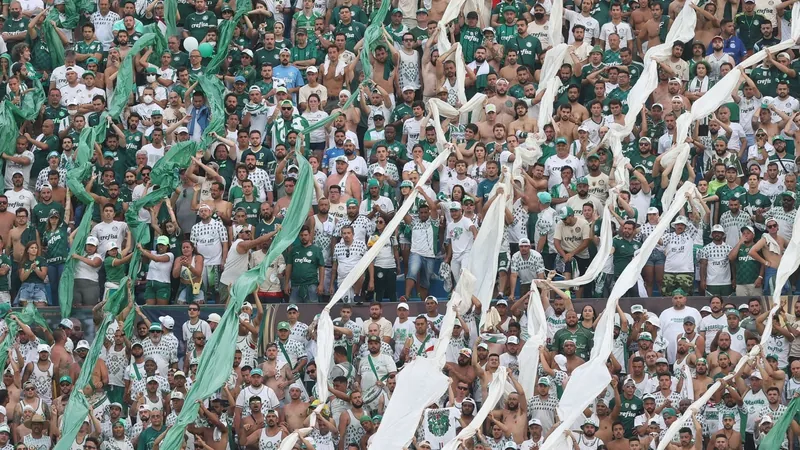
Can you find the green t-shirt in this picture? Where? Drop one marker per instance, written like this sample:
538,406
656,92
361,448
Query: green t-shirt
747,268
148,437
353,32
37,262
84,48
582,337
263,228
471,38
528,49
623,253
265,57
628,410
748,28
725,194
41,214
5,280
306,262
764,80
265,159
133,143
197,24
57,244
114,273
253,209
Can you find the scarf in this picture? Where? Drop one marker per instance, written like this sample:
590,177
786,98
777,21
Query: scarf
698,85
772,244
255,108
340,66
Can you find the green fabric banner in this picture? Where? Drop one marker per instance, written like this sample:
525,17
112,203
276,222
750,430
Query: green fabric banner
78,406
171,17
29,316
774,439
48,30
75,177
126,82
10,113
221,348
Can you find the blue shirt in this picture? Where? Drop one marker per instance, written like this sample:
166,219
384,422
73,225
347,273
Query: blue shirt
290,75
732,46
331,154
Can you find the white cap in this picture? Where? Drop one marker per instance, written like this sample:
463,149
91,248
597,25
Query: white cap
654,320
766,419
43,348
637,309
491,108
512,340
182,130
91,240
167,322
717,229
66,323
83,343
706,309
534,422
176,395
652,210
402,305
214,317
561,360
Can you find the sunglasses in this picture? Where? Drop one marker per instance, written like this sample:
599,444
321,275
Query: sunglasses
286,108
194,309
30,389
408,40
155,331
347,253
772,226
200,338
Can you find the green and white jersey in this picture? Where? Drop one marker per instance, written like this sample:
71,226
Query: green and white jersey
528,268
784,218
424,237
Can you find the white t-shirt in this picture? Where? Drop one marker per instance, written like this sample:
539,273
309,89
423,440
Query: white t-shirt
59,75
460,236
12,167
711,326
84,271
269,400
671,321
679,251
623,30
107,233
208,237
22,199
153,153
411,128
554,164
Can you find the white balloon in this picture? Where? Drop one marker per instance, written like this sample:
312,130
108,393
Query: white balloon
190,44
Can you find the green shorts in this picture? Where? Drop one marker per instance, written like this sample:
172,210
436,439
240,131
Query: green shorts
502,262
722,291
157,290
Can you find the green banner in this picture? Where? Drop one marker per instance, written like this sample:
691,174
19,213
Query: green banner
29,316
10,113
774,439
221,348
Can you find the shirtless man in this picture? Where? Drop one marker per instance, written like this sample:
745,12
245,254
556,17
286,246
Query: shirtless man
381,56
352,186
20,235
524,122
332,71
607,416
503,102
701,380
271,434
564,126
771,247
461,371
59,354
277,375
486,127
7,218
773,376
723,339
295,411
763,119
514,415
485,374
509,70
617,441
579,112
674,8
216,434
434,15
708,24
650,32
640,16
573,361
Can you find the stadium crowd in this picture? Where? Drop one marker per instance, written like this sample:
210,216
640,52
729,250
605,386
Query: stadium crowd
294,64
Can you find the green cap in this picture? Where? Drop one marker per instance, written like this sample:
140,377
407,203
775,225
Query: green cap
91,61
729,415
593,156
582,180
561,140
678,291
351,201
397,10
772,356
150,69
566,212
645,336
89,72
162,240
156,112
226,8
365,418
544,381
669,412
66,378
377,418
789,194
732,312
283,326
469,199
372,182
407,183
778,137
53,154
596,49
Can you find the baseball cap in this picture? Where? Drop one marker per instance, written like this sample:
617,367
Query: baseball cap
91,240
284,326
292,307
239,79
512,340
637,309
717,229
162,240
82,344
43,348
689,319
645,336
402,305
312,69
524,241
490,108
182,130
214,317
561,140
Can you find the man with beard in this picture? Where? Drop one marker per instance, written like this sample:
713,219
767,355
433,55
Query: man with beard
701,380
753,401
276,373
723,340
711,324
260,178
586,439
574,333
503,102
295,411
421,342
250,398
715,270
266,433
252,207
467,411
345,179
350,428
630,406
514,414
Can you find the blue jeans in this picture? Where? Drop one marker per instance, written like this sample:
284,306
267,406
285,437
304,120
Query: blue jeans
54,273
769,282
420,269
309,291
30,292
